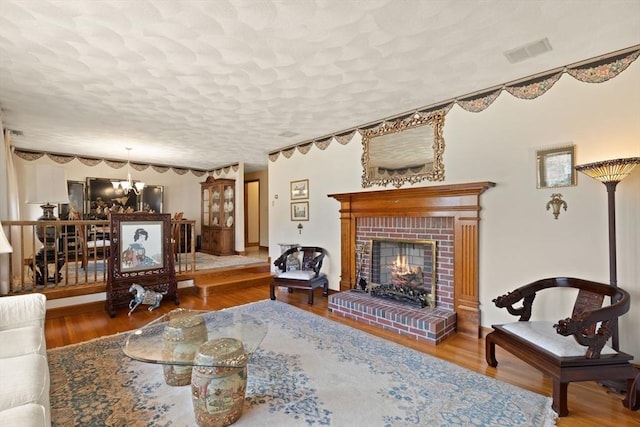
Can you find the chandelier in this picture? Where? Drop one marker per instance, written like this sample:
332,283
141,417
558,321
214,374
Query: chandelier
128,185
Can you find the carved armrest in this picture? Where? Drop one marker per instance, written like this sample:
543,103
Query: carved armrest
280,262
592,328
526,294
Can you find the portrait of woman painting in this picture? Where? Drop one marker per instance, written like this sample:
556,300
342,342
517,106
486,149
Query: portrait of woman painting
141,247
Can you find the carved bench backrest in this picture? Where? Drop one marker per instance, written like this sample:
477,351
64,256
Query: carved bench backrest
312,258
591,324
587,301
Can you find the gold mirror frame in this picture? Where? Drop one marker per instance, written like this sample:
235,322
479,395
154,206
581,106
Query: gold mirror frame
407,149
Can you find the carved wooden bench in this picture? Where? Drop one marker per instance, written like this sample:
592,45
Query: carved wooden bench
573,349
308,277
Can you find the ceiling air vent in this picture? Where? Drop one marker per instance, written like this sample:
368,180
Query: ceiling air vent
288,134
528,51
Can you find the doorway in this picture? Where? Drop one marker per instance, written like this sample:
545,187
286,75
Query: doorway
252,213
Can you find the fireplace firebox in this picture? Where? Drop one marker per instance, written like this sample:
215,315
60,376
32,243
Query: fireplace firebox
404,270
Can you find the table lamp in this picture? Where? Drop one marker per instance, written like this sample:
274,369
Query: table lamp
5,247
46,184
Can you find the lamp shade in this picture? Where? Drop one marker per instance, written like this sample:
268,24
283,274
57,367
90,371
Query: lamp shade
609,170
5,247
46,184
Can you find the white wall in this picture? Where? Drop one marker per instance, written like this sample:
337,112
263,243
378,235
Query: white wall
335,170
520,239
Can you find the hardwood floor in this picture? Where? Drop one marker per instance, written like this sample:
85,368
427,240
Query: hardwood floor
589,403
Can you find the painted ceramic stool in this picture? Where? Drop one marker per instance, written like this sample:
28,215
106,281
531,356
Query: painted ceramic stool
218,390
181,339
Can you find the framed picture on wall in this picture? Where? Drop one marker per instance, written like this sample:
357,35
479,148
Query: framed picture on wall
555,167
152,198
103,198
300,211
76,200
300,189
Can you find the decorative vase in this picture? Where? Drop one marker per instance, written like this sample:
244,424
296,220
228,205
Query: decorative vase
181,339
219,384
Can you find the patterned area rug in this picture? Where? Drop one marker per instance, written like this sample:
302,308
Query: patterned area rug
206,261
308,371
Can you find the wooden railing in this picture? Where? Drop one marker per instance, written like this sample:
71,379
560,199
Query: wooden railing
74,260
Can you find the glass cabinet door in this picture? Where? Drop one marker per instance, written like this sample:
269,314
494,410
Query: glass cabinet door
215,207
228,206
206,207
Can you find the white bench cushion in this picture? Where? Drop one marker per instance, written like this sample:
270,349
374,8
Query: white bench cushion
544,335
297,275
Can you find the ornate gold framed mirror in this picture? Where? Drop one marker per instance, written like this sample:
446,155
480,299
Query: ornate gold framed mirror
408,149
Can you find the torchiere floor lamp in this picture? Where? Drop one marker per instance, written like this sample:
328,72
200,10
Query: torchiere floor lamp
610,173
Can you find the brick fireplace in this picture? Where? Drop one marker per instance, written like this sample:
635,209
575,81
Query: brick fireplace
448,214
415,229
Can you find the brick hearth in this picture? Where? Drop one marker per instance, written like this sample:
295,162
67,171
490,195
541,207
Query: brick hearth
425,324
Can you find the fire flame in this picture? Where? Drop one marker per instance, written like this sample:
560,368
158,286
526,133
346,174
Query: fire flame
401,266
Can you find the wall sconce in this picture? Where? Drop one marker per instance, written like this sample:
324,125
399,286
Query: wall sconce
300,228
556,203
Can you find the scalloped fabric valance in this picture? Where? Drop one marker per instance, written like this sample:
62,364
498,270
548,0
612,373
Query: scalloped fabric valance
597,70
119,164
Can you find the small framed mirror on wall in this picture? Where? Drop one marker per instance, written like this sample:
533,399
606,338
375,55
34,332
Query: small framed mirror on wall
555,167
409,149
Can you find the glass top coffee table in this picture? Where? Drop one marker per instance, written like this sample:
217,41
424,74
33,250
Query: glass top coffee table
207,349
185,327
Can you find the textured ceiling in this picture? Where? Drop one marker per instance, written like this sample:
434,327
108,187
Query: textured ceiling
203,84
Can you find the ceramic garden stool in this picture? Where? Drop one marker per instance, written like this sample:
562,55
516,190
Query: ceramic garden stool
218,390
181,338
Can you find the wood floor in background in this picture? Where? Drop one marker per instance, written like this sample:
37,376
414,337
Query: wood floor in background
589,403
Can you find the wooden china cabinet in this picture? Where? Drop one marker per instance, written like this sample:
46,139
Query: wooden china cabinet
218,216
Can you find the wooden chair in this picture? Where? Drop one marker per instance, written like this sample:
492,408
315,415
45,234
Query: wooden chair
94,246
176,239
573,349
308,277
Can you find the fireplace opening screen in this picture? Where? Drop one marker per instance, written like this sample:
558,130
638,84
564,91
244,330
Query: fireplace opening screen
404,270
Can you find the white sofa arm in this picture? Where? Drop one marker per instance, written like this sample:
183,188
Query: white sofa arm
22,310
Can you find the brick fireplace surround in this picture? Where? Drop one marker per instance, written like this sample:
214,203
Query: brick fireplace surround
448,214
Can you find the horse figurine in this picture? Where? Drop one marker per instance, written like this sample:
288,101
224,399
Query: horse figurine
144,296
